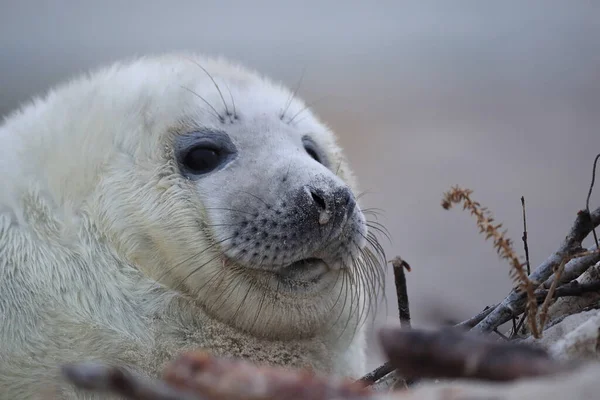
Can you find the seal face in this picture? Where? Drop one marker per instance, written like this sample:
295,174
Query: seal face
274,210
298,220
181,178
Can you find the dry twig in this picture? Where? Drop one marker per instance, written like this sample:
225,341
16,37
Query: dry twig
517,326
398,265
587,200
524,237
378,373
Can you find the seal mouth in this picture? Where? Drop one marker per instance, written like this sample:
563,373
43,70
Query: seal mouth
308,270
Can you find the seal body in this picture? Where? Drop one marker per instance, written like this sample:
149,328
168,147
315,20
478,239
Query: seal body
174,203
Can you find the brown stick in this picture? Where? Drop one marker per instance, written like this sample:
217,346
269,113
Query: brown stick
199,376
398,264
100,378
452,353
587,200
524,237
231,379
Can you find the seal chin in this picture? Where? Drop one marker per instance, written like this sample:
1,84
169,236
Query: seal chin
309,274
304,272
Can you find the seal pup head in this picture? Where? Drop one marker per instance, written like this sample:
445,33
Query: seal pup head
215,182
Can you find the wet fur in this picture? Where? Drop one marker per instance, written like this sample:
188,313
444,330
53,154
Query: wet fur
108,253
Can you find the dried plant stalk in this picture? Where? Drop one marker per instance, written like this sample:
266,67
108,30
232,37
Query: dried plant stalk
502,244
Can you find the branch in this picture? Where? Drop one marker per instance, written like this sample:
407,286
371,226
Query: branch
524,237
471,322
451,353
100,378
199,376
573,288
398,264
576,267
587,200
377,374
513,304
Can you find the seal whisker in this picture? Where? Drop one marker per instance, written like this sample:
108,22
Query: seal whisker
337,173
251,287
235,116
354,300
165,273
196,270
374,261
361,194
216,113
256,197
195,255
344,289
375,212
380,229
264,296
307,107
292,95
230,209
215,83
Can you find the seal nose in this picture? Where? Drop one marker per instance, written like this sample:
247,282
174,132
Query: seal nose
318,200
336,203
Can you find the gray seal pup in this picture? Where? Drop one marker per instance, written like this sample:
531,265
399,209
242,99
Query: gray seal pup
172,203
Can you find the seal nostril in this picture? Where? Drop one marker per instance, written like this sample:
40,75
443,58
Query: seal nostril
319,200
346,199
350,205
347,196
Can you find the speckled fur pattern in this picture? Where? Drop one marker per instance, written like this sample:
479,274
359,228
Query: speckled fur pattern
108,252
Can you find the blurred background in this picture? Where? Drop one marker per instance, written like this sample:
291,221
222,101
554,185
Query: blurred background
500,97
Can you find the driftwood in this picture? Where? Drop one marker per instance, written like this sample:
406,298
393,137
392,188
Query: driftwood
199,376
452,353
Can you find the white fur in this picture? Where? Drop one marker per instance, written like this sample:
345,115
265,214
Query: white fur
93,214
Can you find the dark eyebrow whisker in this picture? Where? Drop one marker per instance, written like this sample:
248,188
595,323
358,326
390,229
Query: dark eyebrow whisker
215,83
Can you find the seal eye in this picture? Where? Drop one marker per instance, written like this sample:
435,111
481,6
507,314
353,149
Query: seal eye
311,152
201,160
204,151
